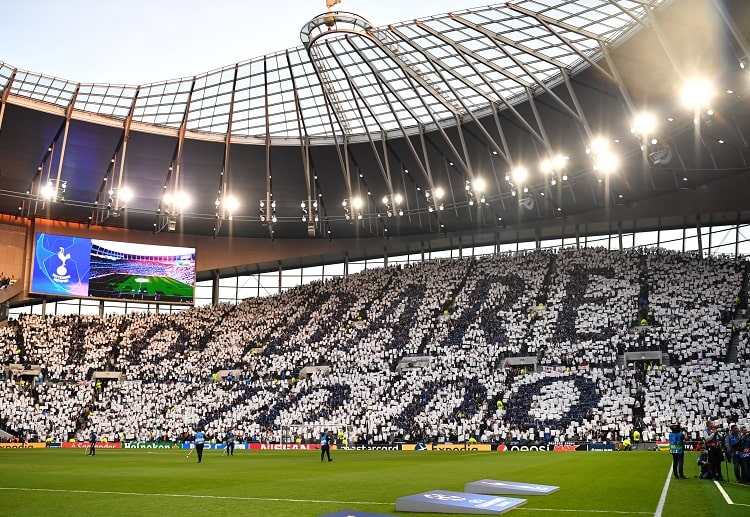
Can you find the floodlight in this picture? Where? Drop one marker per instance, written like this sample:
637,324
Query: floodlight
519,174
181,200
479,185
126,195
607,163
644,124
231,203
47,191
598,145
697,93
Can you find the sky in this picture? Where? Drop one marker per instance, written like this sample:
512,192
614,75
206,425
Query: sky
140,41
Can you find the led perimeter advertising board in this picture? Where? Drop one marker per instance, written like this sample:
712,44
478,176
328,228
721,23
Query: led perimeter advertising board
127,271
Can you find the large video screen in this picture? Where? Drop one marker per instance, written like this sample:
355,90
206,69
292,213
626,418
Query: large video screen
74,266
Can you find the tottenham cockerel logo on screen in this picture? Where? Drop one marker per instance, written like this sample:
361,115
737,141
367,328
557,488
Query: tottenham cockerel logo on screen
61,265
61,274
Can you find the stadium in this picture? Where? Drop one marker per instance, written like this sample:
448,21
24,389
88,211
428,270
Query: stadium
474,246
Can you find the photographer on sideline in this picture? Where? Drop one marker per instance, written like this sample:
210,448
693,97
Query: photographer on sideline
712,442
705,467
677,450
732,444
744,455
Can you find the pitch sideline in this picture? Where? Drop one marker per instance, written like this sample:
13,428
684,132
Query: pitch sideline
284,500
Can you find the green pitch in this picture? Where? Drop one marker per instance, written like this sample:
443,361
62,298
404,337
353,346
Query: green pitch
141,284
296,483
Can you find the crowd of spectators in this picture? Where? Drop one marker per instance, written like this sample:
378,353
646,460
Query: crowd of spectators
687,292
590,309
5,281
743,343
571,313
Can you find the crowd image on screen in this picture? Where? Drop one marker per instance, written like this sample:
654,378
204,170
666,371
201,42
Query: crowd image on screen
106,262
508,348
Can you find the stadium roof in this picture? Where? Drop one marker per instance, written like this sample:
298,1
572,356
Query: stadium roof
459,104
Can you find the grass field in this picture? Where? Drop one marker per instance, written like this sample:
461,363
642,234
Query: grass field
295,483
135,285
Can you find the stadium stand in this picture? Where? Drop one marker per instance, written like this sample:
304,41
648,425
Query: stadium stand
576,311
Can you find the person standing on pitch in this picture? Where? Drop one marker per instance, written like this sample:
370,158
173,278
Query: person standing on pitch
677,450
744,455
732,444
92,445
200,439
711,440
325,445
229,441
